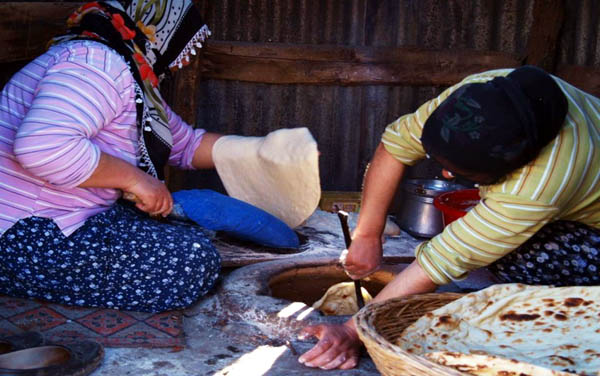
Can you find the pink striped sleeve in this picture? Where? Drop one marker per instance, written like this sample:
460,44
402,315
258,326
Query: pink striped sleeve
72,104
185,141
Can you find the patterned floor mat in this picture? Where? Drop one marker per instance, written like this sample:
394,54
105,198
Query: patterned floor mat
109,327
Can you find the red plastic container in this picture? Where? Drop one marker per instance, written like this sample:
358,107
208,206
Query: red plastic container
455,204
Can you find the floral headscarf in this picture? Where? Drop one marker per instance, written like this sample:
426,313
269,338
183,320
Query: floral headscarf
174,26
152,36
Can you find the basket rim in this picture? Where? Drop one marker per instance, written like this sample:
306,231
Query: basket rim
364,319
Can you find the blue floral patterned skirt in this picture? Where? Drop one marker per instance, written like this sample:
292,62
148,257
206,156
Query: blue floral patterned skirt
120,259
562,253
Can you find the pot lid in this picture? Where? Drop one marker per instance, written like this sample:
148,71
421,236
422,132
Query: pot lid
430,187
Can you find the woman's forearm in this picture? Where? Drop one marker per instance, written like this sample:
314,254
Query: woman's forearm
381,181
412,280
203,154
382,178
112,172
151,195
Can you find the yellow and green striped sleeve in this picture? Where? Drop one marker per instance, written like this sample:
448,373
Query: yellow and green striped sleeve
402,138
491,230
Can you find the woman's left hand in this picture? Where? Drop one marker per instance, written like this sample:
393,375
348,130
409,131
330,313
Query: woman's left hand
338,346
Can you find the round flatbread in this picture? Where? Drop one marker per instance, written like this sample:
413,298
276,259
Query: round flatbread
485,365
556,328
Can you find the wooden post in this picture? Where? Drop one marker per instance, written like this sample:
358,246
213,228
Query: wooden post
182,97
548,19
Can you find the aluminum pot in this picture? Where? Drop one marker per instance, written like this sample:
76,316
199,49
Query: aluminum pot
417,215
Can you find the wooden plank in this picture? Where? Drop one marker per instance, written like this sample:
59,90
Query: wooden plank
340,65
26,28
548,19
584,78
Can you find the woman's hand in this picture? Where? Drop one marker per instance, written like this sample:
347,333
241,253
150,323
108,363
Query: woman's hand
338,346
152,195
364,256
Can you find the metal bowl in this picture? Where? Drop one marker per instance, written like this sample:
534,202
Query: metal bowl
417,215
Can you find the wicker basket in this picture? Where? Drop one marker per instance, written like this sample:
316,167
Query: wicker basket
380,324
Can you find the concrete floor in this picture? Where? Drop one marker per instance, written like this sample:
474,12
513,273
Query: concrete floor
218,348
217,345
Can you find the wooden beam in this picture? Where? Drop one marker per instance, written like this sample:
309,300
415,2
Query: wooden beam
343,65
548,19
26,28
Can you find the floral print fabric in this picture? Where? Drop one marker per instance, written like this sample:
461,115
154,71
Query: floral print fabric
119,259
562,253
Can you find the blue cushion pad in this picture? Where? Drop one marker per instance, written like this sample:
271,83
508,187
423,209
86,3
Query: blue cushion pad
218,212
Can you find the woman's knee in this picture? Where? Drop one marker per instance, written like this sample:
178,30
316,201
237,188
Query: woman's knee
205,262
197,273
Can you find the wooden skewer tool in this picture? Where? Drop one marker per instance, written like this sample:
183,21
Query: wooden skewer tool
343,216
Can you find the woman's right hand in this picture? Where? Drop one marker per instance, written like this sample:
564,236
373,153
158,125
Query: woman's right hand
364,256
152,195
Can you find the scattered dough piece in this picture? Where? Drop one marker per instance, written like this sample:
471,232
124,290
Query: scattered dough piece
391,228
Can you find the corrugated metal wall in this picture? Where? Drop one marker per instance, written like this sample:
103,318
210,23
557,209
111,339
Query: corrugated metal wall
580,39
347,121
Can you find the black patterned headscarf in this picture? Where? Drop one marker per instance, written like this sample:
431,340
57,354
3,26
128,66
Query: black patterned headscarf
152,36
483,131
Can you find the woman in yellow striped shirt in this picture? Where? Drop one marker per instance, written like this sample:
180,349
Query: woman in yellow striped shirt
532,143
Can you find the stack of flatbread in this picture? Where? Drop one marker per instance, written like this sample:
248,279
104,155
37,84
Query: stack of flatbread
513,329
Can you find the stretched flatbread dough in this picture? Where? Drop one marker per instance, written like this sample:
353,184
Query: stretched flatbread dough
340,299
278,173
552,327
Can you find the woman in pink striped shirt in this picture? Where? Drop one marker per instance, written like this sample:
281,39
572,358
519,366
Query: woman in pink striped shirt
79,126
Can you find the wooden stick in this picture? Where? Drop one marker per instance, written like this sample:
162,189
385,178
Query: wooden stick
343,216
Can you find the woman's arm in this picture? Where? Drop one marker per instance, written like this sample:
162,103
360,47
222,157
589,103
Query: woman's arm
381,182
192,148
152,194
203,153
72,104
338,345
